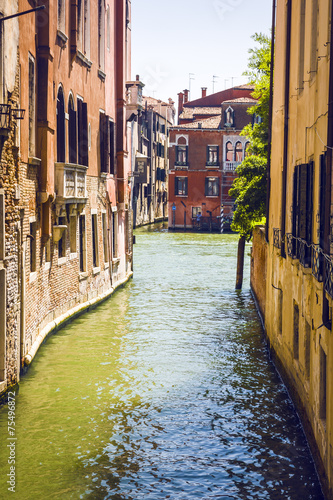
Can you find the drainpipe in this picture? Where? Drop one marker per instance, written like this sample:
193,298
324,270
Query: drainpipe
286,129
326,244
270,117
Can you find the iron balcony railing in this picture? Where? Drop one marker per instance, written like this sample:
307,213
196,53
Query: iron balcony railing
310,255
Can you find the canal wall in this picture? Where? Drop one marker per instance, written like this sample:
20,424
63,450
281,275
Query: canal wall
288,302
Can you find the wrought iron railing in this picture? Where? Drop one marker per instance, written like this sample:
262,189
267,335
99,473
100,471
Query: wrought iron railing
277,237
304,253
329,276
291,246
317,263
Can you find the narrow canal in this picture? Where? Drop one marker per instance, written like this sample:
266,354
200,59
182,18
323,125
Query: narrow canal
163,392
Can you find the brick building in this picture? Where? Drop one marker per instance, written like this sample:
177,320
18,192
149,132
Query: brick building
205,150
65,217
151,119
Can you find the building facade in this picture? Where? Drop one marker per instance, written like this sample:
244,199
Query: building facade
150,122
292,268
65,168
205,150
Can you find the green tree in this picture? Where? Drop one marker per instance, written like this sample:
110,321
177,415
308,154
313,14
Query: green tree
249,188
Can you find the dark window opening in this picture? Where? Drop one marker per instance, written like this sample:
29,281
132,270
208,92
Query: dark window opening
211,186
181,186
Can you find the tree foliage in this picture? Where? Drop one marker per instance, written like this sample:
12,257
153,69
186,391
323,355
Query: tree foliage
249,188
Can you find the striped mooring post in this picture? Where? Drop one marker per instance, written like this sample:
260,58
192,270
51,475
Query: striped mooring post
222,218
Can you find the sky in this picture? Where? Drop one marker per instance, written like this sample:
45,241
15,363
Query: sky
183,44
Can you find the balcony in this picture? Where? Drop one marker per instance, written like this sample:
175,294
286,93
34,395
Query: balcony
212,164
70,183
230,166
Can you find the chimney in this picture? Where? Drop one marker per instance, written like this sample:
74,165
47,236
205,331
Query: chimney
137,78
203,91
186,95
180,102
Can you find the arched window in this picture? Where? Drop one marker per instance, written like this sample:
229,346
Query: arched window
239,151
72,135
246,149
229,152
229,117
181,152
61,126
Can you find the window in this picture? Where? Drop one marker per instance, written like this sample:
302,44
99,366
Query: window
212,155
62,241
101,34
72,233
196,211
83,26
229,152
94,238
82,243
114,234
296,332
314,34
33,246
211,186
32,106
83,139
72,132
181,186
239,152
307,349
105,238
246,149
229,115
280,310
301,47
303,207
61,141
107,144
323,385
181,155
62,15
108,28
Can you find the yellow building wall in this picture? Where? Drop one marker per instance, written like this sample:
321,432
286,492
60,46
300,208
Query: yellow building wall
288,283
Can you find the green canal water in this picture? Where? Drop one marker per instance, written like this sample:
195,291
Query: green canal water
165,391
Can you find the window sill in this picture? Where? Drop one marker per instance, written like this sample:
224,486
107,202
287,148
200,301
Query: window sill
32,160
106,265
181,167
33,277
83,276
62,36
213,166
62,261
116,260
96,270
83,59
101,75
181,195
47,266
73,256
212,196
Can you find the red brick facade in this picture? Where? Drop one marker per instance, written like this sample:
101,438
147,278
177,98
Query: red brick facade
205,149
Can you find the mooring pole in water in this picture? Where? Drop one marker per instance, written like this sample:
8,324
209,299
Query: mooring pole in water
240,262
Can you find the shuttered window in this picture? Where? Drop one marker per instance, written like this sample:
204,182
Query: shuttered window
181,186
322,199
83,144
72,134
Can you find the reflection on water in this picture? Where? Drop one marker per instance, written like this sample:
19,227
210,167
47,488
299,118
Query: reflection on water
165,391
